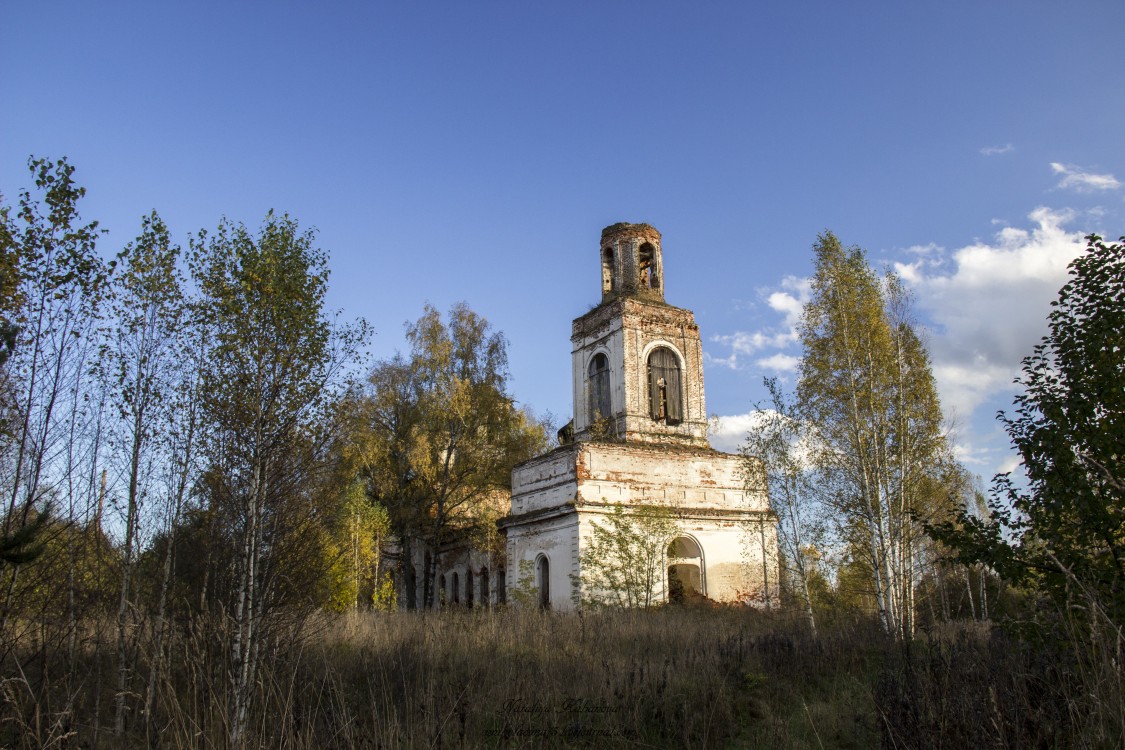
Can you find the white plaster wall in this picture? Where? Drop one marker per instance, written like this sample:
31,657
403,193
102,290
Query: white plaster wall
608,340
763,586
732,561
684,479
544,482
557,538
588,518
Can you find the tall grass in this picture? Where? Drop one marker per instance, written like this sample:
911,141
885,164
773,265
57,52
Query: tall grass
517,678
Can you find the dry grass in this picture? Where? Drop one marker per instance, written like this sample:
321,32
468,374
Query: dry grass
665,678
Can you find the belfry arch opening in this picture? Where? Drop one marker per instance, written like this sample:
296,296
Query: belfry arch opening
609,277
646,266
685,570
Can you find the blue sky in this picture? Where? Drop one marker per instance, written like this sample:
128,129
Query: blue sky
474,151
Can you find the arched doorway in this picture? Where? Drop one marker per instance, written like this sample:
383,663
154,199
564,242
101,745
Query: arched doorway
685,570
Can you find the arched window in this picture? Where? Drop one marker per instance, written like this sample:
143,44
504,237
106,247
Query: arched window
501,586
456,589
543,570
484,588
441,591
599,387
664,394
469,588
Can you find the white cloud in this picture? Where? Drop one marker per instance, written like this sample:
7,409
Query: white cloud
731,361
924,251
985,305
789,300
995,150
779,363
728,433
1075,178
966,454
743,342
989,304
1009,465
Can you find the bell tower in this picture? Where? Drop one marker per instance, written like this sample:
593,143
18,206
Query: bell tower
638,443
637,362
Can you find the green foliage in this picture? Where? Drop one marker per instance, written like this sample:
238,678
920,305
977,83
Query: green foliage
623,559
52,284
11,299
602,429
526,591
76,571
1064,534
262,304
867,391
436,435
361,529
273,362
25,543
384,598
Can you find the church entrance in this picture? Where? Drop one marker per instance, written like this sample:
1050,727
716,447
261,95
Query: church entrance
685,570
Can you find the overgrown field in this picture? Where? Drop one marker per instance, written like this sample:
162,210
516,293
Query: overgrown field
664,678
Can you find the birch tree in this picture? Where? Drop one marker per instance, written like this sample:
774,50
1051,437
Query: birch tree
139,364
179,472
266,386
360,531
52,287
781,446
866,385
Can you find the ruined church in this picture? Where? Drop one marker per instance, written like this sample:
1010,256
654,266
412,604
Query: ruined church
638,438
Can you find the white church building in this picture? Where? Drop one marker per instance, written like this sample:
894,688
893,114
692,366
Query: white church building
639,438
